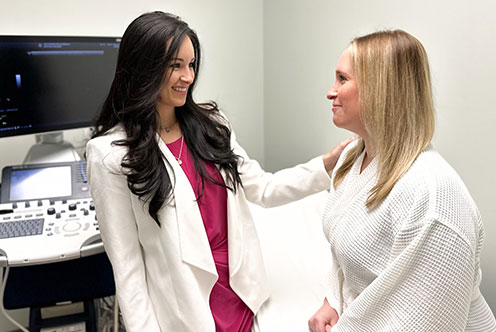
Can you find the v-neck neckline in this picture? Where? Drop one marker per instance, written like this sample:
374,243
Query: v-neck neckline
367,171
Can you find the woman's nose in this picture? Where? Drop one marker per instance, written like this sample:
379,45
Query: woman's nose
332,93
188,77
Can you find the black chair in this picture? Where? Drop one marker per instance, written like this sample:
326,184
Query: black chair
45,285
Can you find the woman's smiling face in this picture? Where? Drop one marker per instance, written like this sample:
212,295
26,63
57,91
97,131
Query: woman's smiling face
344,96
180,75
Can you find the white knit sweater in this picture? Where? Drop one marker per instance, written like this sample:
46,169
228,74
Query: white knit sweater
411,264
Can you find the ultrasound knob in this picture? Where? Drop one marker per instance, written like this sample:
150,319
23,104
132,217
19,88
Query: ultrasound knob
71,226
72,207
51,211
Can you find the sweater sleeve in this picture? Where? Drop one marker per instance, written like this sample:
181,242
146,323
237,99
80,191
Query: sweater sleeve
118,229
426,287
288,185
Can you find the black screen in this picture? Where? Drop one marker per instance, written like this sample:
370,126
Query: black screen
50,83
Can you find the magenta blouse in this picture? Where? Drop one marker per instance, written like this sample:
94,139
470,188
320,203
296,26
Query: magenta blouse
230,313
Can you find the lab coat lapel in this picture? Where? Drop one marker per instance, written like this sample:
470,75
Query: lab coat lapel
234,231
246,269
195,248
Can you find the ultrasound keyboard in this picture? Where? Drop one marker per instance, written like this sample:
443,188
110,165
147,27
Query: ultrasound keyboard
42,231
21,228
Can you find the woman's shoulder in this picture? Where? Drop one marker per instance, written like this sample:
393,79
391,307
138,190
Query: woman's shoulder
101,147
433,173
432,190
214,113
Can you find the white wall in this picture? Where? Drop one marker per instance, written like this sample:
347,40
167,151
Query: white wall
231,75
230,33
303,41
279,56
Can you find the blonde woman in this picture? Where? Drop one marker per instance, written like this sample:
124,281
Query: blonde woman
405,234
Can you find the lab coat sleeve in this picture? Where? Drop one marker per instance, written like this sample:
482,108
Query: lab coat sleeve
426,287
274,189
118,229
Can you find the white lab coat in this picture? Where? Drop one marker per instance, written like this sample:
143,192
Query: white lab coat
164,275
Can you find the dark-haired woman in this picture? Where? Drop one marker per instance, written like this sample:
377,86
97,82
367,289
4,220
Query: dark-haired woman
170,185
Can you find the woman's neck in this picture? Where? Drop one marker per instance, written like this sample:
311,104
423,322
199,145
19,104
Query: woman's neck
169,129
167,115
370,152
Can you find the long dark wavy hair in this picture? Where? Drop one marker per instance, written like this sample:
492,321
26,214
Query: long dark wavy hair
140,74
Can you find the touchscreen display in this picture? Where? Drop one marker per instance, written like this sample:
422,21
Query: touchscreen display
40,183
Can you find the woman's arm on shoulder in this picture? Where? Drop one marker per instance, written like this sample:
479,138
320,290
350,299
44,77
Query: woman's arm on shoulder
287,185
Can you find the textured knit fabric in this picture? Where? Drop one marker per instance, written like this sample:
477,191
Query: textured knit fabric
412,263
230,313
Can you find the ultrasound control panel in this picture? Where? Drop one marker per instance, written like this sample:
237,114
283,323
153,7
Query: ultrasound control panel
43,230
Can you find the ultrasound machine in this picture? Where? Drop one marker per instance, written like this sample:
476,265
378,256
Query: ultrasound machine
50,246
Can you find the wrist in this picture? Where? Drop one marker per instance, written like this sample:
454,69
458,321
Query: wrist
328,164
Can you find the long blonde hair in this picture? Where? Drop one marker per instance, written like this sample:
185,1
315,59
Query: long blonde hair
396,105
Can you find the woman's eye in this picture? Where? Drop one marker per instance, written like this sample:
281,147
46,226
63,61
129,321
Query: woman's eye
192,65
342,78
175,65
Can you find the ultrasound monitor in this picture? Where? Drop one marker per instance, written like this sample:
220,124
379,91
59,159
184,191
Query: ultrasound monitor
65,180
51,83
38,183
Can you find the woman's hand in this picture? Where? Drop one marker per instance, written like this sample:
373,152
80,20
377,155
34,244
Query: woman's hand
325,318
331,158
